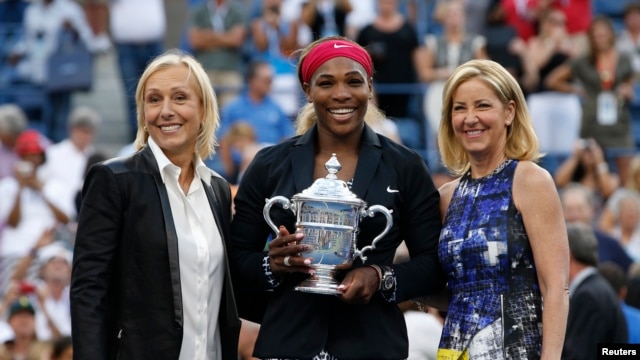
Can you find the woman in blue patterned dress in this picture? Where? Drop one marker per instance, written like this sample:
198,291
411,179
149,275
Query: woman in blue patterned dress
503,243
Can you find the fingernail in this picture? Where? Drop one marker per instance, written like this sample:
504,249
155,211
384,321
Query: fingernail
307,247
307,262
312,271
341,287
299,235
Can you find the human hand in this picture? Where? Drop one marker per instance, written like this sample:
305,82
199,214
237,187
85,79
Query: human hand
359,285
625,91
25,174
285,253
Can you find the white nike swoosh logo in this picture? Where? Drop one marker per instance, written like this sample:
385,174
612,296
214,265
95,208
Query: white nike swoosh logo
390,190
336,46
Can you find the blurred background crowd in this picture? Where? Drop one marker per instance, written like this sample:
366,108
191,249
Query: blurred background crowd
69,68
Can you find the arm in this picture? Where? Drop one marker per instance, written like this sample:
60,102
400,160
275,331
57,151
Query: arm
20,271
309,12
536,197
99,228
606,181
564,172
425,66
440,301
420,222
208,39
14,215
417,222
259,35
249,230
560,80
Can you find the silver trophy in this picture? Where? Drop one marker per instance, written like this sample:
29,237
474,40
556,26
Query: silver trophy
328,214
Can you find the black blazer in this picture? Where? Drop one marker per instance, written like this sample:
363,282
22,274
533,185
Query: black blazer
126,301
595,317
299,325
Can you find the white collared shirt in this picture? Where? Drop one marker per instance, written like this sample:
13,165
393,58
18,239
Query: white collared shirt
201,257
579,278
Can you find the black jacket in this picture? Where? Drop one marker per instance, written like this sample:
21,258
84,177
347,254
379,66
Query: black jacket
595,317
126,301
299,325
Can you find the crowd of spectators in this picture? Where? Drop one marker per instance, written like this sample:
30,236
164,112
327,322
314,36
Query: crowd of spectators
563,53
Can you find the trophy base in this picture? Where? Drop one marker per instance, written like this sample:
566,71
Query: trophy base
322,282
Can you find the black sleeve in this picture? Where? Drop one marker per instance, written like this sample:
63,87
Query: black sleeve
420,228
99,228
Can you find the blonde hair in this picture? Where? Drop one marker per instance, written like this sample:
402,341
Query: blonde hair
521,143
307,116
206,140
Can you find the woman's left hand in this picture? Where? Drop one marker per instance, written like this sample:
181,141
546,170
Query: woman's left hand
359,286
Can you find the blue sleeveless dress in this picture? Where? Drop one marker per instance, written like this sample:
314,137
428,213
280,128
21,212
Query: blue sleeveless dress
496,310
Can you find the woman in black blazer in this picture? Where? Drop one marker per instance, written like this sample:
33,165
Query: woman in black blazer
150,274
363,322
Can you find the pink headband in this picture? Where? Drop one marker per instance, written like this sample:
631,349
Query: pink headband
332,49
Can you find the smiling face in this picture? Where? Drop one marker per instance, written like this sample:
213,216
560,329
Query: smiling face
173,110
480,119
340,91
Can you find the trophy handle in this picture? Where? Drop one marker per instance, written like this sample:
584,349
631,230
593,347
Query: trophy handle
370,212
286,204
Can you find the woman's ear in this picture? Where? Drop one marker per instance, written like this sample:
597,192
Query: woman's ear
307,90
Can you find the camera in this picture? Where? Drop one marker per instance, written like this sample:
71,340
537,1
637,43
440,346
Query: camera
25,287
24,168
585,144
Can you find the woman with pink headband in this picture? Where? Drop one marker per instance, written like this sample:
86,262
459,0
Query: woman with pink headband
363,321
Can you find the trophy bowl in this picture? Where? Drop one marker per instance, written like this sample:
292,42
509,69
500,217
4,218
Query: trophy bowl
329,214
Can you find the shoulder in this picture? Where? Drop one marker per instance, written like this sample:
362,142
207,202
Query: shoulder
446,190
530,174
533,186
275,153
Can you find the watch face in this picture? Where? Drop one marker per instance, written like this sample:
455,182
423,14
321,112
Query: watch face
388,282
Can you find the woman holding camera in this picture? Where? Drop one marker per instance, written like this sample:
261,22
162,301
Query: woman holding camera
31,204
587,165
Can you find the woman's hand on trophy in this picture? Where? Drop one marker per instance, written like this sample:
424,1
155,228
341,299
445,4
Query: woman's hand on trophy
359,285
285,253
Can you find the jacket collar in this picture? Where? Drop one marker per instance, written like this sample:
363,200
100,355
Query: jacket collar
166,167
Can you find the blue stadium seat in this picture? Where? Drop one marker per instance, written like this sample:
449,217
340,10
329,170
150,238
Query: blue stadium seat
410,133
611,8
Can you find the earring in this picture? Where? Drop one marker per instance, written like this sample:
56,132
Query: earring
144,128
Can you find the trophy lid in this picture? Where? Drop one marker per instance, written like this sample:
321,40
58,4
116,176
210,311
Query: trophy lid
330,187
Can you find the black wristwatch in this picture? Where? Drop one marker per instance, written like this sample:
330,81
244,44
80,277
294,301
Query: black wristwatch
388,279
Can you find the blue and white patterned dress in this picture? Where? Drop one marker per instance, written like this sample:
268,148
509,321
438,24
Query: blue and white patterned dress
496,309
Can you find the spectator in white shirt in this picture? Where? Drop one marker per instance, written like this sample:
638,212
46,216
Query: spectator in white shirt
67,160
30,202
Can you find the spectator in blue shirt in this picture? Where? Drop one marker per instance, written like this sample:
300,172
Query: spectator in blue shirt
255,107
